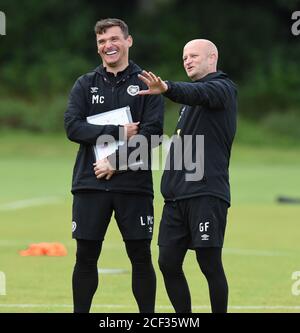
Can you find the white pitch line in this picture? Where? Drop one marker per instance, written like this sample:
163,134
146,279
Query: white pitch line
20,204
120,306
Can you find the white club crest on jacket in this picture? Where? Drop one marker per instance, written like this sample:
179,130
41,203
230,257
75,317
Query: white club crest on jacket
133,90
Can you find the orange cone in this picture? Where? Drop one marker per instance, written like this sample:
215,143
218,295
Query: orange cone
44,249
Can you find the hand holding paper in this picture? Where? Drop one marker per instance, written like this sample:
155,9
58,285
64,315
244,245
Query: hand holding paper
131,129
121,116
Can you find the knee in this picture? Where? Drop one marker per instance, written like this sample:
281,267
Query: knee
164,265
210,264
207,270
139,252
87,255
169,266
85,263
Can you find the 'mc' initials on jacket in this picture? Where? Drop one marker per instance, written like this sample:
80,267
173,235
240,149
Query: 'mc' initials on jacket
96,99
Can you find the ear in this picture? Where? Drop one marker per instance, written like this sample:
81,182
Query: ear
212,58
130,40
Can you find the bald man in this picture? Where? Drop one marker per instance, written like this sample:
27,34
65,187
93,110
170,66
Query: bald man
196,201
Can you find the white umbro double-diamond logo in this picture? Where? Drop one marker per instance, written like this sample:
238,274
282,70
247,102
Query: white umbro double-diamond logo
205,237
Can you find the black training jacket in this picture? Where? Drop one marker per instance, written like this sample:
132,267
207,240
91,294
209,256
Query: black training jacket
210,109
99,91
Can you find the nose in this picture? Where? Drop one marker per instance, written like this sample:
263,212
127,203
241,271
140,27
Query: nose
187,62
108,43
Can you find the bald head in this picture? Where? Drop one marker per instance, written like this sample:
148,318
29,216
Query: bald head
203,45
200,57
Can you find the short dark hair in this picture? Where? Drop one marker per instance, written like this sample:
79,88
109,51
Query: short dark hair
102,25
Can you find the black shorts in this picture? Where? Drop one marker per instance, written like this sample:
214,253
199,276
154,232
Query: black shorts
92,211
194,222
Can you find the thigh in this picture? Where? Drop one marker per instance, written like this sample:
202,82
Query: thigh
92,211
88,251
134,215
171,256
173,229
207,217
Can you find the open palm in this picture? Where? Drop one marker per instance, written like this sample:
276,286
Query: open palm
154,83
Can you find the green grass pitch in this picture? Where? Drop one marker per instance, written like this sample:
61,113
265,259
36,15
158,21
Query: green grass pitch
261,251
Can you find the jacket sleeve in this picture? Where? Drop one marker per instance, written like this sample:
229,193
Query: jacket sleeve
152,117
151,124
76,126
213,94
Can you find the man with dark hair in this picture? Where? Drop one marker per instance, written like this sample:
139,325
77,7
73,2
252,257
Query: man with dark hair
99,189
195,210
102,25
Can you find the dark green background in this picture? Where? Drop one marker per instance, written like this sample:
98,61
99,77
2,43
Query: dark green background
50,43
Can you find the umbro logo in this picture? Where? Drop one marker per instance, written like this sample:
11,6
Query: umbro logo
205,237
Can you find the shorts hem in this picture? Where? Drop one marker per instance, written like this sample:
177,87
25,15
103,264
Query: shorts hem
189,246
136,238
88,238
194,247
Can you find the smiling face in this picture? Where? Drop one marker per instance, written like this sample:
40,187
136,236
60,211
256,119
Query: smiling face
113,48
199,58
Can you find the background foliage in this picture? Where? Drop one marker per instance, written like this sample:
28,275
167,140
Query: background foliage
50,43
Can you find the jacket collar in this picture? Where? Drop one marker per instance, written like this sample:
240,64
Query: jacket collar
212,76
131,69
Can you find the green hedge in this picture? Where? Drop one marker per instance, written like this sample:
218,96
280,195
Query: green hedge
41,116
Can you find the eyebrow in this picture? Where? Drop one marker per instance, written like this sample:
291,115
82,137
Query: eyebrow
191,54
103,39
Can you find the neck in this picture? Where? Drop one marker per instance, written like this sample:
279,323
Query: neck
200,76
116,69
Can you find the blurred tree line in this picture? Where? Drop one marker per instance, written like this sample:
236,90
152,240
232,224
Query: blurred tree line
48,44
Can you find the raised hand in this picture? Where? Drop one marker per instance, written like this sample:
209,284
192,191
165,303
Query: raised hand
154,83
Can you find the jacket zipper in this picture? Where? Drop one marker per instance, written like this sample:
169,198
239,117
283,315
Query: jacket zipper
112,92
